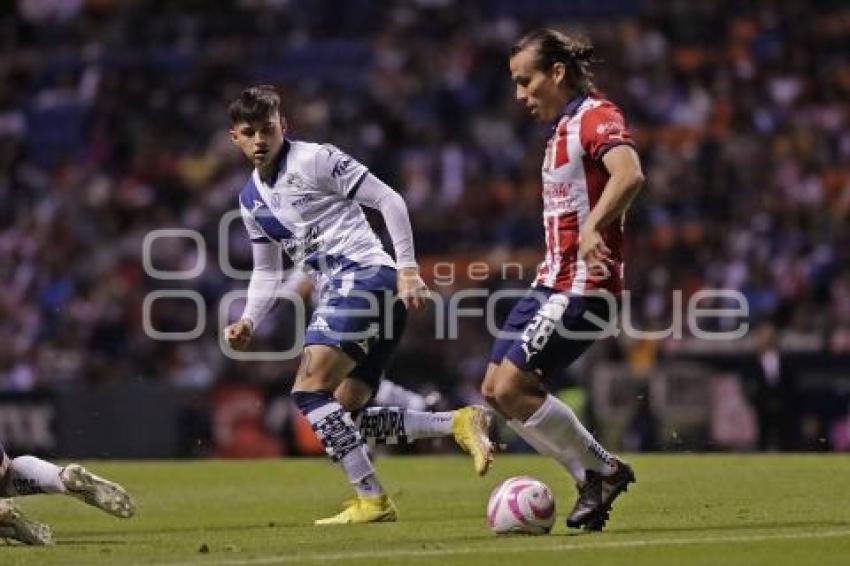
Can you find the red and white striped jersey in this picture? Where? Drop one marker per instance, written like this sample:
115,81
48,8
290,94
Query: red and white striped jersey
573,180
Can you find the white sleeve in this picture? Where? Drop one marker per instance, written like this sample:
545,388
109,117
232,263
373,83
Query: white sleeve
374,193
338,172
265,279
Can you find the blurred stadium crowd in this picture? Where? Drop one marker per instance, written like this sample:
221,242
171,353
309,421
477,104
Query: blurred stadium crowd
113,123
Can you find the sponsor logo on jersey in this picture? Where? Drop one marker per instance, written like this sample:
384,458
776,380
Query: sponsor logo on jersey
559,197
612,129
340,166
299,248
301,202
297,181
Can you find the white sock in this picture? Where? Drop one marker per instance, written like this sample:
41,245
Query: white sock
422,424
369,486
393,395
339,435
392,425
28,475
557,426
570,462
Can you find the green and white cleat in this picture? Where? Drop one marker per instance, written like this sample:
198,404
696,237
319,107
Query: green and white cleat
96,491
13,525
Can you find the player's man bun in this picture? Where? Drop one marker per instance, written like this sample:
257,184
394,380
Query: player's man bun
553,46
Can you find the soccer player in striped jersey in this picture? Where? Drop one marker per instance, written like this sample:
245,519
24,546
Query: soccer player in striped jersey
305,199
28,475
591,173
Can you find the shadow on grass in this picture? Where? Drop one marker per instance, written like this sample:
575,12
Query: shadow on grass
86,537
712,528
90,542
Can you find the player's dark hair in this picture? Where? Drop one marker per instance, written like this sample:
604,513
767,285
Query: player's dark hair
552,46
254,104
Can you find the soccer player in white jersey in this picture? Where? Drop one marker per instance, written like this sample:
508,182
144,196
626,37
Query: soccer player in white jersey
28,475
305,199
591,173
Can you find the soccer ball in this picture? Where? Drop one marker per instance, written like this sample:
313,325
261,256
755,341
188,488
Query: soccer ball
521,505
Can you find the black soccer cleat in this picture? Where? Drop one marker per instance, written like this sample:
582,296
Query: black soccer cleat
597,495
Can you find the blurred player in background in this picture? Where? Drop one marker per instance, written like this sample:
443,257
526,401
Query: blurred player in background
305,199
28,475
591,173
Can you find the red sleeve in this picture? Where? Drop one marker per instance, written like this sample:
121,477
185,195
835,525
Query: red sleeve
602,128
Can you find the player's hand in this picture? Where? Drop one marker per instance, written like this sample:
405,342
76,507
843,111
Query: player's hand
412,290
238,334
592,248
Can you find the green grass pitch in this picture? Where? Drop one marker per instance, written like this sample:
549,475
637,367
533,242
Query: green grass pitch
685,509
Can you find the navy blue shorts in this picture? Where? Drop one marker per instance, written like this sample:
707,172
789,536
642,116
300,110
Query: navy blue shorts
550,330
359,313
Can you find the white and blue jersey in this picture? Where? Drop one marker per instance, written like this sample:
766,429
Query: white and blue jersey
311,209
308,210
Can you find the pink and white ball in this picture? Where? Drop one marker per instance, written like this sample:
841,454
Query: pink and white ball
521,505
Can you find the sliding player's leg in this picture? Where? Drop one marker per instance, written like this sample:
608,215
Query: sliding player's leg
28,475
13,524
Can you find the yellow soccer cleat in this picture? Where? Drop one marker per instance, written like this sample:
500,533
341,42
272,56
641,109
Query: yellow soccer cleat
377,509
470,427
13,525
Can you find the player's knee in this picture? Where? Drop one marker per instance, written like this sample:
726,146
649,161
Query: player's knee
502,388
488,386
352,394
488,389
319,370
349,402
314,379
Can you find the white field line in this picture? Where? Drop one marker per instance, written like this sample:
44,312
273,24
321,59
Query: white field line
539,545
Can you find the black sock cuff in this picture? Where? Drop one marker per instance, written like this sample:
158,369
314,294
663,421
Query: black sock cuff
308,401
